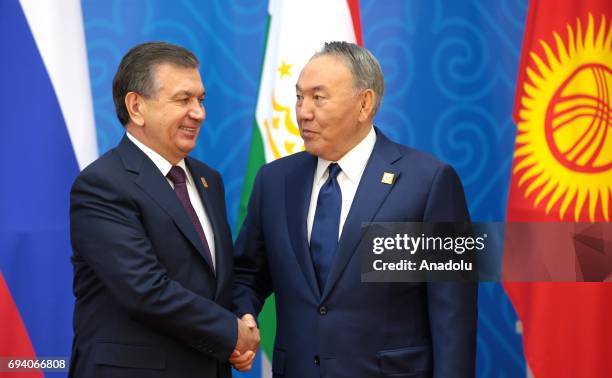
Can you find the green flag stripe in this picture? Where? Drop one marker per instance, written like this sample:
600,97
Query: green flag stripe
257,158
267,326
267,317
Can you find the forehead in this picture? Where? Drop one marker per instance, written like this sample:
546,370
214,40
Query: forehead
325,71
172,78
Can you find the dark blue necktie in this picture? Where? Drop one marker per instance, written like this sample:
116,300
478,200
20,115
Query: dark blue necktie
324,234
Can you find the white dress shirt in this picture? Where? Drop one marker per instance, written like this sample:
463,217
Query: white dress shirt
164,166
353,164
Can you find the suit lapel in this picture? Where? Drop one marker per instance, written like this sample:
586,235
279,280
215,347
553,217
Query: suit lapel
152,182
370,195
216,221
298,189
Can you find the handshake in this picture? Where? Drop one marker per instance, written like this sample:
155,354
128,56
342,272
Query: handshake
248,341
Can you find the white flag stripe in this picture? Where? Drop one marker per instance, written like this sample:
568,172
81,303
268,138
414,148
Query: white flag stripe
60,38
298,29
266,367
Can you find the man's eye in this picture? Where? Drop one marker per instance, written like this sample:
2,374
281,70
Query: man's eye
318,97
299,97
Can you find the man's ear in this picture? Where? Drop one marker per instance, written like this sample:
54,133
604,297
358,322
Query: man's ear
135,105
367,105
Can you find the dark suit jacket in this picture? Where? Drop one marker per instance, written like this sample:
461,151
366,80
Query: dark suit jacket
355,329
147,302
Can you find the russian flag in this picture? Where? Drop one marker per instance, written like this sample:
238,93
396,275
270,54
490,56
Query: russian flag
47,136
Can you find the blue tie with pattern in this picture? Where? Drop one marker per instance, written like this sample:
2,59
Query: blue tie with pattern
324,235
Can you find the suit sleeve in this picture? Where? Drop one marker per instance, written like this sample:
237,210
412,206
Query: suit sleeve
252,282
452,307
108,235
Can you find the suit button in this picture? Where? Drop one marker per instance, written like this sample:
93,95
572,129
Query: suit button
323,310
317,361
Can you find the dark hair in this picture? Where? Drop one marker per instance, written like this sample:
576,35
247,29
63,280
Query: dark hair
366,70
136,71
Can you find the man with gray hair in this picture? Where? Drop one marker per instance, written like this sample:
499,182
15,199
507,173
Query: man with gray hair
152,250
303,228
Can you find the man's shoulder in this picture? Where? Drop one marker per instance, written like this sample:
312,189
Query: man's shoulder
423,168
105,172
108,163
411,158
419,158
287,164
200,167
204,171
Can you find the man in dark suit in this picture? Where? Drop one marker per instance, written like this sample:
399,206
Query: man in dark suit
152,250
303,228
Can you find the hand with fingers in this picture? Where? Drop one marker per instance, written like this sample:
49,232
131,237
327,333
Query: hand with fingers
246,346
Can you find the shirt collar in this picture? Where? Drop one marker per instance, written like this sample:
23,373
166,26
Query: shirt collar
160,162
352,163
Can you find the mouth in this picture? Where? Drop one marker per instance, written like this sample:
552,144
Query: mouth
189,130
307,133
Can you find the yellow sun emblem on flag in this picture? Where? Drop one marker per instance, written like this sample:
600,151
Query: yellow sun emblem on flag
564,141
283,140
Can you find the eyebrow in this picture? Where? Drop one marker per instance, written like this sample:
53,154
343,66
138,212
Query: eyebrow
317,88
188,94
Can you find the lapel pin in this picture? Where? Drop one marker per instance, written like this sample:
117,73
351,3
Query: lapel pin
387,178
204,182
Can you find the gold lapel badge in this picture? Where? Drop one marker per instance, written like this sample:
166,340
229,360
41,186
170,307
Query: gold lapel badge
387,178
204,182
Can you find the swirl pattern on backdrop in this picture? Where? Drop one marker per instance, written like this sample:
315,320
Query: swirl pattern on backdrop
450,70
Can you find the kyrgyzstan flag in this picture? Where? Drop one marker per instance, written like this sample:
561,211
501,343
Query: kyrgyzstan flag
562,172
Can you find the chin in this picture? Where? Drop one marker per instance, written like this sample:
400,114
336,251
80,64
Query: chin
317,151
311,148
186,148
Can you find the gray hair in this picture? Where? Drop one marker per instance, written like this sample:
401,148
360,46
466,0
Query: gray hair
135,72
364,67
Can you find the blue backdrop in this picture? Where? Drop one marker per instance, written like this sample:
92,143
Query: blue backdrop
450,71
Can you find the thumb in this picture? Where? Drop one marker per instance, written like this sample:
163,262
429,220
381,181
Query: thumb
249,320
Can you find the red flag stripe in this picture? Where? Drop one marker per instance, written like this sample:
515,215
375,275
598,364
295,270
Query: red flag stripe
354,8
14,338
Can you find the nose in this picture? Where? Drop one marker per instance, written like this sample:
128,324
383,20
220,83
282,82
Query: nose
197,111
303,110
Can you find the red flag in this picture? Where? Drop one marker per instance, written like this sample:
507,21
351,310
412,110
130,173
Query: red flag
14,339
562,171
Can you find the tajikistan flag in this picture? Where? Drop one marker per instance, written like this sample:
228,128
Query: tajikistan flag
296,30
47,136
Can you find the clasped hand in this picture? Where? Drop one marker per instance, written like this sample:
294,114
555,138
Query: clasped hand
248,341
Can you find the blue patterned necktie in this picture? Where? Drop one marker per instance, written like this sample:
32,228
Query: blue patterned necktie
324,235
